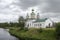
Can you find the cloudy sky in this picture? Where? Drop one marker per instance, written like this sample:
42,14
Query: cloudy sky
10,10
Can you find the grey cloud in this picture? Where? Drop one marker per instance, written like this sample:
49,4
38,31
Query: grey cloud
51,9
24,4
54,6
52,15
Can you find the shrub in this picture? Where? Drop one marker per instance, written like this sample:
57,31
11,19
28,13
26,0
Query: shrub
25,29
40,30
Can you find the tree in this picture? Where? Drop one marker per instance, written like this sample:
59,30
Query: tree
58,31
4,25
21,19
21,22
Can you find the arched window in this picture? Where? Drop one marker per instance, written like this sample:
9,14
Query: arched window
28,25
49,24
36,24
40,24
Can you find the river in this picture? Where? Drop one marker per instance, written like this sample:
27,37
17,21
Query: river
5,35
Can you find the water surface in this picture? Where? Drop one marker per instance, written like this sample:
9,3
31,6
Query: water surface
4,35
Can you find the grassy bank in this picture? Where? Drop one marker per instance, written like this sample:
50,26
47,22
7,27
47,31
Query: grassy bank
34,34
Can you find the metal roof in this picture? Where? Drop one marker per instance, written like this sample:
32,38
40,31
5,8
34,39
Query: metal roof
41,20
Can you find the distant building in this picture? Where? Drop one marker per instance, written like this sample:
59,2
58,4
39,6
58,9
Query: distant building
34,21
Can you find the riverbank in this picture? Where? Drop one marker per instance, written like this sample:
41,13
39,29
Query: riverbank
33,34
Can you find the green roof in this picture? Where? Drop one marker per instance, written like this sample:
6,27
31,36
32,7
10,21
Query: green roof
41,20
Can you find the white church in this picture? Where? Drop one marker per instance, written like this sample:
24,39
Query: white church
34,21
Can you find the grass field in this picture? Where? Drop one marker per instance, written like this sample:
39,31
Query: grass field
45,34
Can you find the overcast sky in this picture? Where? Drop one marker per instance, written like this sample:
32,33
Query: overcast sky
10,10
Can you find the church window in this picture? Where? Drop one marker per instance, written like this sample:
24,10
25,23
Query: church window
40,24
30,24
36,24
49,24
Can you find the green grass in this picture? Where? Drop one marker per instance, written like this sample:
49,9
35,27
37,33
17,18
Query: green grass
46,34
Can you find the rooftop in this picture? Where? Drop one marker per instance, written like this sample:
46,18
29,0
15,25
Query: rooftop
41,20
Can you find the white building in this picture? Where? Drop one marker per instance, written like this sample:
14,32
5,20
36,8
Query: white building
34,21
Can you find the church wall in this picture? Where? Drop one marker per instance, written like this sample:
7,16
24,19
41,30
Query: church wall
38,24
48,22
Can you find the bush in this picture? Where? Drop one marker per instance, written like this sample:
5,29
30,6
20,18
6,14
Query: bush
25,29
40,30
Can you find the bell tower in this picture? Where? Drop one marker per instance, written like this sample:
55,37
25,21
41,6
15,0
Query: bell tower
32,14
27,17
38,16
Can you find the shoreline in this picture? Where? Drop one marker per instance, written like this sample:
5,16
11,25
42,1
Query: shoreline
25,38
14,36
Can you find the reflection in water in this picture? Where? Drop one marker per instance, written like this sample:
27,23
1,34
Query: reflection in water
4,35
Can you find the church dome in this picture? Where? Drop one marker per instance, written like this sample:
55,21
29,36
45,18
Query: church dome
32,9
32,12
